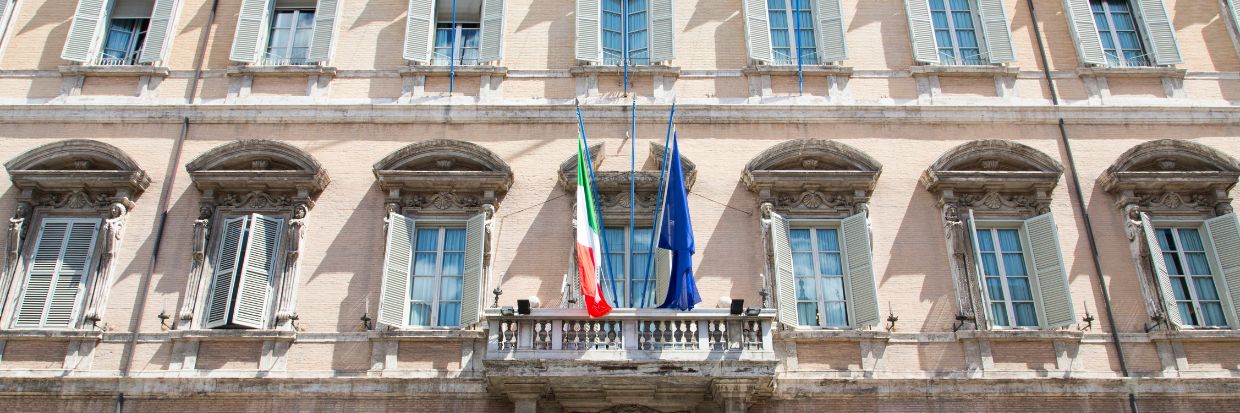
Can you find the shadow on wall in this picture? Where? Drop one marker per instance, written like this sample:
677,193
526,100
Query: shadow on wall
561,19
920,235
1054,23
392,33
50,16
1122,278
890,17
542,256
1214,30
729,33
722,257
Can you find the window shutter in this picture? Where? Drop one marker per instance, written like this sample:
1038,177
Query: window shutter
84,32
491,45
471,289
254,284
970,225
996,30
5,8
921,31
1085,32
758,38
829,22
1224,234
662,274
1159,32
1049,272
1162,280
62,257
861,284
397,269
324,27
251,22
159,31
1233,6
588,37
785,281
662,31
226,262
419,31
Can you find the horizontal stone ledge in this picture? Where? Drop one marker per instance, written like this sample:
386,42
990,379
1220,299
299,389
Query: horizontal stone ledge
232,335
50,335
964,71
114,71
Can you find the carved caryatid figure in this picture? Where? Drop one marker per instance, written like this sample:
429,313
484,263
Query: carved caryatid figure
109,240
293,236
202,228
17,226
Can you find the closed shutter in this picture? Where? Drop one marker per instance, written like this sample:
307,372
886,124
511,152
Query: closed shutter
251,24
588,38
970,225
419,31
785,279
254,283
1159,32
471,288
829,24
159,32
1224,235
491,45
1162,279
1049,272
324,27
1085,32
996,30
397,266
662,31
61,259
226,262
662,275
84,32
862,287
758,39
921,31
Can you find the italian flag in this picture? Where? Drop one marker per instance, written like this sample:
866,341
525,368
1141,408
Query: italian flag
589,248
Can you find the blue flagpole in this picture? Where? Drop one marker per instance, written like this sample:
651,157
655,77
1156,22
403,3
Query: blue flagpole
654,233
633,190
452,55
602,234
796,48
624,18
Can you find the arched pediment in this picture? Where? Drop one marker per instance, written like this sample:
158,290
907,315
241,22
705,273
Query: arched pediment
258,164
992,163
813,155
443,155
78,164
1173,177
442,169
816,176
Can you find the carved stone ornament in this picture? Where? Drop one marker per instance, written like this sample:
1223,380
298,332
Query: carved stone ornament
443,176
613,186
815,177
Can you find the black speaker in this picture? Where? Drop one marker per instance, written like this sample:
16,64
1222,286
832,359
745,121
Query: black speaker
523,307
738,307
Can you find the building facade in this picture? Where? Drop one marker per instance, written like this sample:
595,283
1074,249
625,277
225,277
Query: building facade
228,205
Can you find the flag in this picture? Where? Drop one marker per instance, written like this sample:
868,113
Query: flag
589,248
676,234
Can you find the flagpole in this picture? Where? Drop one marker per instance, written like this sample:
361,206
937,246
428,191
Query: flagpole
658,206
633,193
452,53
581,126
796,48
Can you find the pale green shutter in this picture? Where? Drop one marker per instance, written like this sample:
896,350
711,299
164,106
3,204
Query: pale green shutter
662,275
251,24
1085,32
970,225
921,31
996,30
1049,272
4,17
419,31
862,287
61,259
227,259
1224,235
159,31
662,31
324,27
1233,7
397,267
588,15
785,279
254,283
491,31
471,288
758,38
1161,278
829,25
84,32
1164,49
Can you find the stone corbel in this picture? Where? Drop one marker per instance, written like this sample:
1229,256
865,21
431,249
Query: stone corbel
734,395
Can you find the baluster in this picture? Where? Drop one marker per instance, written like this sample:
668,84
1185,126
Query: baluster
690,335
717,335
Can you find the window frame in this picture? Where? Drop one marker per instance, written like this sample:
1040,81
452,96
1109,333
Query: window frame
814,224
457,52
218,221
292,37
34,234
133,51
1212,262
442,224
1113,33
994,225
629,281
626,33
979,35
794,34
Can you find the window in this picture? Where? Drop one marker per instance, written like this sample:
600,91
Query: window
244,271
792,22
628,265
817,262
616,27
291,33
438,270
1007,285
1117,30
124,42
955,32
1192,282
58,267
284,32
6,14
118,32
458,44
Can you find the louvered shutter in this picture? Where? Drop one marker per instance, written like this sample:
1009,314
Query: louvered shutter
921,31
61,259
227,259
4,17
1085,32
588,15
996,30
662,275
862,287
254,283
970,225
397,269
1049,271
491,31
829,25
662,31
1233,10
758,39
785,279
1224,235
1162,279
471,288
324,28
419,31
84,33
250,36
1164,49
158,32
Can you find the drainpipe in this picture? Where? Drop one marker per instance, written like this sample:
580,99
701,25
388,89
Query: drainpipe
1080,203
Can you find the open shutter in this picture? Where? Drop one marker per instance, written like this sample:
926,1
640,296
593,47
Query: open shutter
662,275
785,279
75,262
1049,272
159,31
491,30
829,25
1224,235
1159,32
921,31
4,17
85,30
61,259
254,284
1085,32
471,288
970,225
588,38
997,32
1162,279
861,284
226,262
397,267
758,38
251,23
419,31
1233,11
324,28
662,31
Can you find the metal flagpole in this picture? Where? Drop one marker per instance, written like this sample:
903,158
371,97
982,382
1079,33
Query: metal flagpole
602,234
658,206
796,46
633,191
624,18
452,53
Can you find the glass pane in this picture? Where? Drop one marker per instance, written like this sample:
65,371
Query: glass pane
450,288
642,268
641,239
423,288
833,288
1129,40
986,244
807,314
998,313
937,5
990,264
1179,287
962,19
802,263
1165,240
428,239
805,289
799,239
443,37
1191,239
424,263
453,263
828,240
449,314
1187,314
1173,263
454,239
1019,287
939,20
284,19
1206,290
639,288
1197,263
830,264
613,238
960,5
279,38
1014,264
420,314
305,19
1009,240
1213,314
779,19
303,37
1025,315
837,315
994,288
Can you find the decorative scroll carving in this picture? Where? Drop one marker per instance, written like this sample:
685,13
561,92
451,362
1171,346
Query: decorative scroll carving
441,201
818,177
76,199
1013,203
256,200
443,175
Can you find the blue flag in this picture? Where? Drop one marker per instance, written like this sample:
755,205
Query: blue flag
676,234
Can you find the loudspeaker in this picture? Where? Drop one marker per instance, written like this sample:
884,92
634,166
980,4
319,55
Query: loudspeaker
738,307
523,307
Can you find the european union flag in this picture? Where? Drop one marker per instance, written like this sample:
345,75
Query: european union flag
676,234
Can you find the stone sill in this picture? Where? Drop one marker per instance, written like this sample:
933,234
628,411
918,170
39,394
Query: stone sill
619,70
288,70
1020,335
409,334
964,71
785,70
465,71
41,335
114,71
1132,72
814,334
1224,335
232,335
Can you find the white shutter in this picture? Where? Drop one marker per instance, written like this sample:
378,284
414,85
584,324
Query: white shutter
996,31
254,283
970,225
471,288
829,25
1162,279
420,31
218,306
785,279
921,31
588,15
491,31
662,31
862,287
6,8
1233,10
662,275
1085,32
397,267
159,32
1224,235
1160,38
61,259
758,39
83,39
1049,272
324,28
250,36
